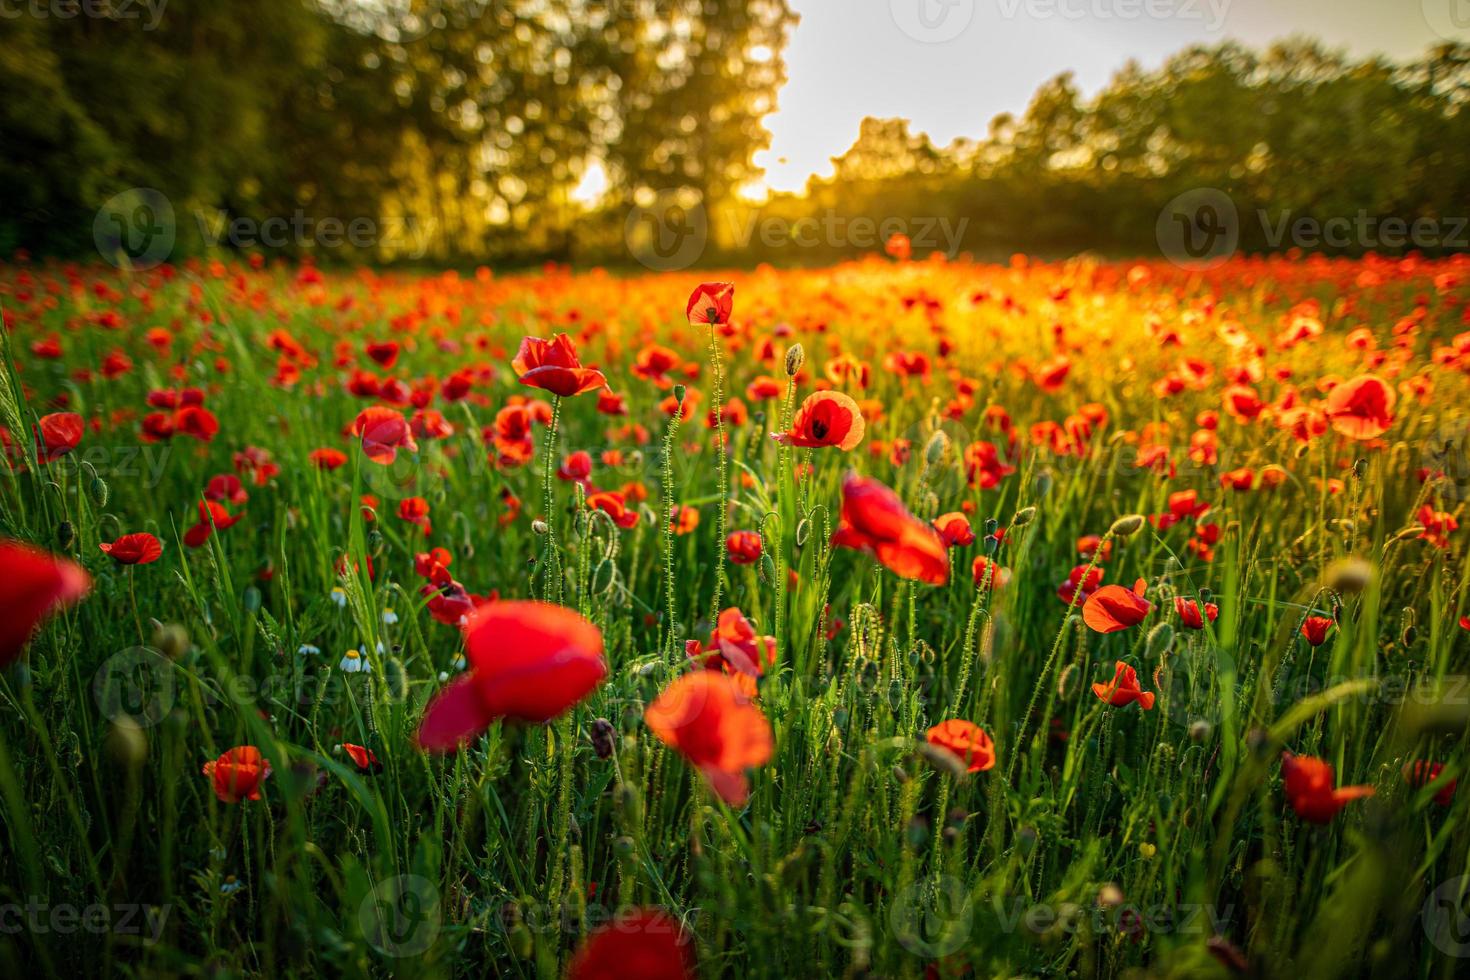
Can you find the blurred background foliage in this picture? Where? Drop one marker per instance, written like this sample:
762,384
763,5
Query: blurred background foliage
474,123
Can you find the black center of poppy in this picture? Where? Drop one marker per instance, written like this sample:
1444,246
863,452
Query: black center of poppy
712,314
819,428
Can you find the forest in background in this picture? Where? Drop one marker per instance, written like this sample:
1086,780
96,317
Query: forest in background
460,130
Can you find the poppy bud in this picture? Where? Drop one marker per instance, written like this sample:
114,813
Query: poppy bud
172,640
251,599
1199,730
795,357
1349,575
1126,525
1023,517
126,743
679,392
99,491
803,528
900,775
1109,896
65,534
938,446
603,735
603,576
539,526
375,541
395,679
1160,638
944,760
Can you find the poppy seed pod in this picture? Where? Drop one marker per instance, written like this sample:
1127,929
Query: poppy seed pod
795,357
679,392
1126,525
66,533
603,737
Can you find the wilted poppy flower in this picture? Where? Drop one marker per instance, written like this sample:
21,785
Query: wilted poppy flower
954,529
1123,689
966,740
552,365
58,434
1361,408
362,757
875,520
529,661
1113,608
711,302
1420,773
238,773
735,647
1308,785
35,585
384,432
133,549
709,719
643,943
743,547
1190,614
1315,628
826,418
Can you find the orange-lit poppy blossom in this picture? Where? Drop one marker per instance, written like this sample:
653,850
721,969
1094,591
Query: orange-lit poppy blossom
1315,629
1113,608
710,720
383,432
743,547
955,529
1194,614
1123,689
34,586
365,759
826,418
58,434
133,549
237,775
642,943
735,647
1308,783
711,302
875,520
1361,408
965,740
552,365
528,661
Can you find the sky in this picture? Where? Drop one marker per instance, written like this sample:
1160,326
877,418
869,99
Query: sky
950,66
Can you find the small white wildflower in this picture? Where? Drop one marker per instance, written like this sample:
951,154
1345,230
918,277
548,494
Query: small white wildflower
339,596
390,617
307,650
230,885
353,663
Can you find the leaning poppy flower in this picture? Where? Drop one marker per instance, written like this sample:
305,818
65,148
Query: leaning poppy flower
362,757
615,506
1420,774
826,418
552,365
58,434
1315,628
735,647
708,718
643,943
1113,608
35,585
212,517
1124,689
875,520
1308,785
238,773
529,661
711,302
1190,615
966,740
1361,408
133,549
954,529
744,547
383,433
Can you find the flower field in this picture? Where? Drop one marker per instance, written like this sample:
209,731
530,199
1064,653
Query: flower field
902,618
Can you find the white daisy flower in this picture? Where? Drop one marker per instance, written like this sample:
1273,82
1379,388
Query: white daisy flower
339,596
353,663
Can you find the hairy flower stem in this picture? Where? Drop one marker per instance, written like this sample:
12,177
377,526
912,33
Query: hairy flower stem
552,568
666,477
717,366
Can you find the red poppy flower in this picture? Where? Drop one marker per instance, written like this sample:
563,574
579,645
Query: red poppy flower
709,719
1124,689
966,740
328,459
383,433
196,421
875,520
1308,785
989,574
614,505
711,302
684,520
552,365
238,773
1088,545
577,467
735,647
1190,614
35,585
384,352
362,757
643,943
744,547
58,434
1080,584
226,489
1420,774
529,661
1361,408
826,418
1113,608
212,517
954,529
1315,628
133,549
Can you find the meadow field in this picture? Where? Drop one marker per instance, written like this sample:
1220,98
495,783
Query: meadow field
902,618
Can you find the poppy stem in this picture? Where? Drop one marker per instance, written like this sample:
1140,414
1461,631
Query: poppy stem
552,572
666,477
717,366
